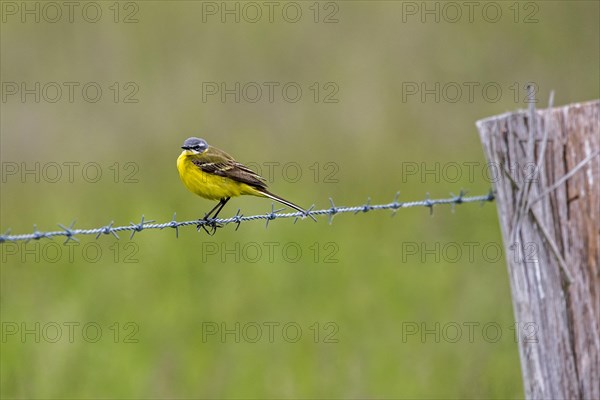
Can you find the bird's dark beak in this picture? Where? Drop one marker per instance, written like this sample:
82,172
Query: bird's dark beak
185,147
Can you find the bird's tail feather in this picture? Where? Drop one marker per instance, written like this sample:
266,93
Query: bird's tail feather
272,196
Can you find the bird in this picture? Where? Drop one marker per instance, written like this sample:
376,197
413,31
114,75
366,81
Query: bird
213,174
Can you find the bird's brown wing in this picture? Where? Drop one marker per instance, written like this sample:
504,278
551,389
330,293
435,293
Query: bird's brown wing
217,162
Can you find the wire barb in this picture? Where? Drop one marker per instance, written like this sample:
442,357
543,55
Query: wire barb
107,230
395,204
429,203
36,235
3,237
457,199
366,207
237,219
307,214
138,227
332,211
273,214
173,224
70,233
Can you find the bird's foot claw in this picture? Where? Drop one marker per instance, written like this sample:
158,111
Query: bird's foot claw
209,225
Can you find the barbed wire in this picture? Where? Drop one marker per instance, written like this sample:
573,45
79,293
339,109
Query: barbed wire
69,232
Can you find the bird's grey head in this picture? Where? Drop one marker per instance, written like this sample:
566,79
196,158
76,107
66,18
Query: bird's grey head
195,145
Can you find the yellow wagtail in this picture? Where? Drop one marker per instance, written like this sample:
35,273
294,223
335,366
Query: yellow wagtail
215,175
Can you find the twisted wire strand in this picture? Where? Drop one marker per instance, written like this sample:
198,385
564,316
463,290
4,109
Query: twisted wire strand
70,233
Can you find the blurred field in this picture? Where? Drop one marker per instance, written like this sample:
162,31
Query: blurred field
367,144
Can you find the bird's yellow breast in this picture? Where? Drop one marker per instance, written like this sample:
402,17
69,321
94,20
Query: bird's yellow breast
207,185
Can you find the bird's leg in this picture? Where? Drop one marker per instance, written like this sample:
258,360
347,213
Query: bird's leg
219,205
222,204
209,221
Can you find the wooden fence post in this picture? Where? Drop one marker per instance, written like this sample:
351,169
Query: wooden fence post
545,165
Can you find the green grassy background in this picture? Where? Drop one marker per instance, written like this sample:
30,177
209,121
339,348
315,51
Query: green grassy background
175,287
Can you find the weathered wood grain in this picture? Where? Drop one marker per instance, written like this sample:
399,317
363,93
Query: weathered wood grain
551,233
